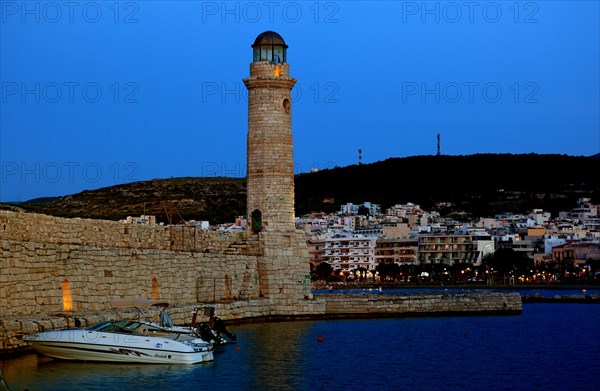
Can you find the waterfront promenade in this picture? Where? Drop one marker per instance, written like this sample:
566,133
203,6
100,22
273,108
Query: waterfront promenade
530,293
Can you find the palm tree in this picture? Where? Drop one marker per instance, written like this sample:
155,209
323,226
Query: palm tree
323,271
388,271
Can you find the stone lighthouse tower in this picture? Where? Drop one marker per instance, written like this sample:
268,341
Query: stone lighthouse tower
270,163
284,270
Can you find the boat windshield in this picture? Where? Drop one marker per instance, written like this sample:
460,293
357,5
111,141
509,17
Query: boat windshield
120,326
165,320
97,326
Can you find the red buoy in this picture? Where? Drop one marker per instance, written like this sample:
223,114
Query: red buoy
320,338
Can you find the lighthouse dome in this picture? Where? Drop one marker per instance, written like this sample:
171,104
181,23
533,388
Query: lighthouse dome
269,46
269,38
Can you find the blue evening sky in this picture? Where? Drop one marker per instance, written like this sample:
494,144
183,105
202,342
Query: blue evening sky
99,93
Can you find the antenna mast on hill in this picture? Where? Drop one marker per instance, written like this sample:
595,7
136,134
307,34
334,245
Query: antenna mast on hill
359,157
439,147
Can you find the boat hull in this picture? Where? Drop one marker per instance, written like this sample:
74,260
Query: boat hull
84,345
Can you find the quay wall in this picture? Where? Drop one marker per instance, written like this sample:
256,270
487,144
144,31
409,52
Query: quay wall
50,264
328,306
40,278
40,228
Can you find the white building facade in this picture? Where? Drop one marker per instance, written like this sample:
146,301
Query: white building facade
348,253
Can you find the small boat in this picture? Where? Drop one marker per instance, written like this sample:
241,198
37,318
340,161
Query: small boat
119,341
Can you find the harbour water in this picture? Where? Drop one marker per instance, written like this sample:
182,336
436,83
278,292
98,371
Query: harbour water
541,291
547,347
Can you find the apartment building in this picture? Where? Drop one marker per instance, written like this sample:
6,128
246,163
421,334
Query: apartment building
399,251
369,230
576,252
352,209
316,249
395,231
403,210
584,212
349,252
454,249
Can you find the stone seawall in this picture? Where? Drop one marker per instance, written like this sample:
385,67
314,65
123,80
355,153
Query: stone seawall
40,228
334,306
51,264
422,304
40,278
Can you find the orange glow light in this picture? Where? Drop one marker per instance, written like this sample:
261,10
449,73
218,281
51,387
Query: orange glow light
67,297
155,294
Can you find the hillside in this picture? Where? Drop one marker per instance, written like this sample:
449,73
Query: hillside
475,185
173,199
479,185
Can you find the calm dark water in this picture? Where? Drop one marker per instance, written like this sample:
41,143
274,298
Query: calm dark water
541,291
548,347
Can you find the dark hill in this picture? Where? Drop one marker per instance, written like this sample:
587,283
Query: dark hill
475,185
481,185
171,200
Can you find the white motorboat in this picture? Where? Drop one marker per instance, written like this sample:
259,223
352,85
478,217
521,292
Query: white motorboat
119,341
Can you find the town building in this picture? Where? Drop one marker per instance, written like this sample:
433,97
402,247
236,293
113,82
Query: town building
453,249
316,249
347,253
398,251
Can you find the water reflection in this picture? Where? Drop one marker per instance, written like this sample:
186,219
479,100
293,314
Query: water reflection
281,349
543,292
37,372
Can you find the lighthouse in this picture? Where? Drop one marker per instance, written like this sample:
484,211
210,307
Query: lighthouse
284,263
270,164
